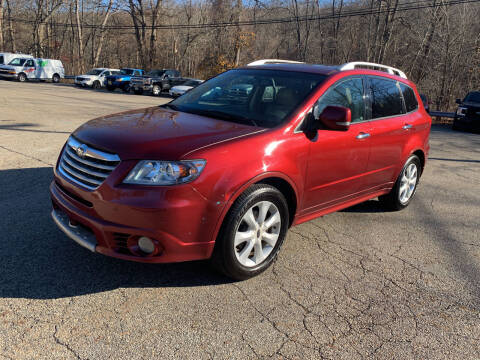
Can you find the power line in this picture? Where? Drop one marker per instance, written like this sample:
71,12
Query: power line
409,6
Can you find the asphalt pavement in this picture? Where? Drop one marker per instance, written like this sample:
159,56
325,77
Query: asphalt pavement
360,283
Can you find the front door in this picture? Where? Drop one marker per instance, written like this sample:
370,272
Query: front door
338,159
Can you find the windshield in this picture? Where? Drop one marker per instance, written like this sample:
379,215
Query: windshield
156,73
126,72
94,72
17,62
192,83
257,97
474,96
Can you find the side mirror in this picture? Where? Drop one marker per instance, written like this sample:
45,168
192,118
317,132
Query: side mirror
458,101
334,117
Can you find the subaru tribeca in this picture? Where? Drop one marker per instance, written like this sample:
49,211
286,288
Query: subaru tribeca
223,171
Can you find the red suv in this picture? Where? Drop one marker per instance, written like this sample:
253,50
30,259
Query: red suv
223,171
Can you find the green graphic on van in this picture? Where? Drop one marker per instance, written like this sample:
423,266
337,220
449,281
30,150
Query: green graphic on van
42,63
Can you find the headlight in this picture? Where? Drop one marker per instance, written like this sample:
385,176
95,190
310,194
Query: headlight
460,111
120,79
154,172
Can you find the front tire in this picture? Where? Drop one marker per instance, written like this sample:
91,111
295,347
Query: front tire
252,233
405,187
110,88
126,88
138,91
96,84
22,77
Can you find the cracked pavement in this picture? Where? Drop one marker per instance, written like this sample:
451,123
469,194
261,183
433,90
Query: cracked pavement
357,284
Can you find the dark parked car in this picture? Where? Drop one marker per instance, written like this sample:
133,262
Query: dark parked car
467,116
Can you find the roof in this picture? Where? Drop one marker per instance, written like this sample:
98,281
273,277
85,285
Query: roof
301,67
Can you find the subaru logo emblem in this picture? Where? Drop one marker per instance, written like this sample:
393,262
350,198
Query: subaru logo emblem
81,150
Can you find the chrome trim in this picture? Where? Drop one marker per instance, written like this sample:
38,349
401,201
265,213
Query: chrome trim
77,174
363,136
81,168
79,159
93,153
85,167
407,126
76,233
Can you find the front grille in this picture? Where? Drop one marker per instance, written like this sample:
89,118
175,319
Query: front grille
85,165
121,245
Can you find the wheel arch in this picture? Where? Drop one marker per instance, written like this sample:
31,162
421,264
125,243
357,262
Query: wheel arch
421,156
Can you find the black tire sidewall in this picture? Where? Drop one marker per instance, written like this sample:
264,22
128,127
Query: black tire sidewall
253,195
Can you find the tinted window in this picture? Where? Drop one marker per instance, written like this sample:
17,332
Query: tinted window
386,98
1,60
251,96
411,103
29,63
348,94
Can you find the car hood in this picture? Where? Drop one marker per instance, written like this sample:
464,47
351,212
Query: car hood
182,88
7,67
157,133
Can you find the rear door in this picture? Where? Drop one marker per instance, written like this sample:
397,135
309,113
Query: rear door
390,130
338,159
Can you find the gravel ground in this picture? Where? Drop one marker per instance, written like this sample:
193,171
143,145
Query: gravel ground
360,283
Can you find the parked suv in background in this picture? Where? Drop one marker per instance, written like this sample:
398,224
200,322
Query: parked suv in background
95,78
122,80
156,81
223,171
467,116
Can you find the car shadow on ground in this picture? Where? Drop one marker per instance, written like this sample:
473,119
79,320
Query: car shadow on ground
38,261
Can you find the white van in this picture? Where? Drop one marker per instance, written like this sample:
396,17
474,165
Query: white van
5,58
24,68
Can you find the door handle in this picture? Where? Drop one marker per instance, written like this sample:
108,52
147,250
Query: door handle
363,135
406,127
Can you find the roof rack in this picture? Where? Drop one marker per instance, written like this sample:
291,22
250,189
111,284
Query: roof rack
273,61
355,64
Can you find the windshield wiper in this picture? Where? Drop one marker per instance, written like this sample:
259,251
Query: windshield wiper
224,116
170,106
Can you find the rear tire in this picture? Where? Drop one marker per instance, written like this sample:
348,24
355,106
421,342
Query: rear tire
252,233
405,187
55,78
22,77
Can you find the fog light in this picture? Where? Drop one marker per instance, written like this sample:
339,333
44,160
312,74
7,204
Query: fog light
146,245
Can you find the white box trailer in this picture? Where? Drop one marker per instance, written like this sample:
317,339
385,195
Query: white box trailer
23,68
6,57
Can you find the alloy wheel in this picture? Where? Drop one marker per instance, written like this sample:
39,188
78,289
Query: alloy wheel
257,233
408,183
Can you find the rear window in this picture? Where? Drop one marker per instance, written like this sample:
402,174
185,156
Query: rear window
411,103
386,98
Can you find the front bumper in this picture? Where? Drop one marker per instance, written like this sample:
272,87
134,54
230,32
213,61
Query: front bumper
144,87
9,76
107,219
83,82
